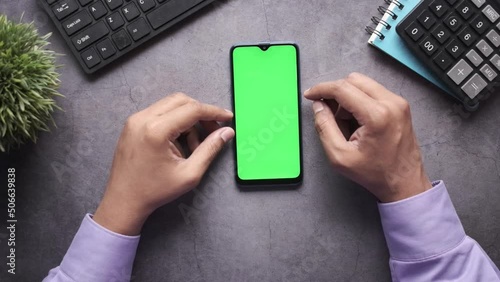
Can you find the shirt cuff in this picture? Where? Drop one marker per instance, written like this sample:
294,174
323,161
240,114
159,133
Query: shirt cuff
422,226
98,254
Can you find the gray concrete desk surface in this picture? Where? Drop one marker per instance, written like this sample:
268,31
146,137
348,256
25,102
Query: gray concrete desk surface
328,230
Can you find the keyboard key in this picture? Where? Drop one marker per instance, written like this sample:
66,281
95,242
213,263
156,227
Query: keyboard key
426,19
494,37
168,11
488,72
146,5
439,8
121,39
453,22
474,58
491,13
106,48
451,2
498,25
91,58
474,86
130,11
98,10
455,48
415,31
139,29
480,24
64,8
460,72
113,4
478,3
495,60
484,48
443,60
50,2
90,35
77,22
115,21
468,36
85,2
441,33
429,46
465,9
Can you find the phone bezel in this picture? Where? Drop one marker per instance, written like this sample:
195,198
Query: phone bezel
282,182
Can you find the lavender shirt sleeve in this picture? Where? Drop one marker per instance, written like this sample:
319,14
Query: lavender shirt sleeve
427,242
96,254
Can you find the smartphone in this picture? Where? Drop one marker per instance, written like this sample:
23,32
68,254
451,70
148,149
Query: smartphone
266,104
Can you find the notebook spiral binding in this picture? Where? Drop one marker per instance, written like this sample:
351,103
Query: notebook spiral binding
380,23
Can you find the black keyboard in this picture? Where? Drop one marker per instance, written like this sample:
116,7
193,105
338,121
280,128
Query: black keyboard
100,31
458,40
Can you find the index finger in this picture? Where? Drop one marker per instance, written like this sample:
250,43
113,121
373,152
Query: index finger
186,116
347,95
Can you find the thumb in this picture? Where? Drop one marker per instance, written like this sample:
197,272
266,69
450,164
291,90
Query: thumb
328,130
208,150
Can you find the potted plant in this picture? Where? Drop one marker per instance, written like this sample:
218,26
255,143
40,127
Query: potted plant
28,83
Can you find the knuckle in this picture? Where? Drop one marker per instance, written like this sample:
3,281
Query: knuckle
353,76
320,125
151,133
381,115
404,106
195,105
179,95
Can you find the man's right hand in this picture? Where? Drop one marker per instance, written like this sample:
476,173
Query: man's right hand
367,133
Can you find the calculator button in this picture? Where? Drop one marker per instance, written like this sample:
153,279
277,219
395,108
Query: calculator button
467,36
91,58
494,37
491,13
460,72
453,22
488,72
455,48
98,10
495,60
480,24
451,2
498,25
441,33
443,60
474,86
439,8
474,58
484,48
106,48
115,20
429,46
415,31
465,9
478,3
427,19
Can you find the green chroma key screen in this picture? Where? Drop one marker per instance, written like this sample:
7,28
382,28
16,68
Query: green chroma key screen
267,114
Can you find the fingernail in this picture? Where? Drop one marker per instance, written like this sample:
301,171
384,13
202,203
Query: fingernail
307,91
228,111
227,134
317,107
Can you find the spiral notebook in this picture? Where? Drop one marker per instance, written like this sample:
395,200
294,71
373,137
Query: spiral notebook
386,39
